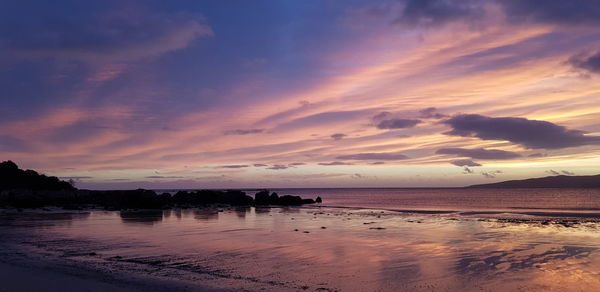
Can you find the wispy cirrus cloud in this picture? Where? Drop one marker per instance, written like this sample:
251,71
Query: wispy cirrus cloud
439,12
244,131
109,36
479,153
373,156
334,163
234,166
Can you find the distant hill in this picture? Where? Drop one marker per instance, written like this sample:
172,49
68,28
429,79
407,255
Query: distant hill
559,181
13,178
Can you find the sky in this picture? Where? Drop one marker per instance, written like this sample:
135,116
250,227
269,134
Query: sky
233,94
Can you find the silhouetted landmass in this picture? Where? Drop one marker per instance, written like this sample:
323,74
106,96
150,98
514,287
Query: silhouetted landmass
11,177
560,181
28,189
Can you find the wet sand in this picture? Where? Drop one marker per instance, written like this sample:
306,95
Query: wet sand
302,249
30,278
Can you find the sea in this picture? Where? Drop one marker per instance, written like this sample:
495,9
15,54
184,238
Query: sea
377,239
550,202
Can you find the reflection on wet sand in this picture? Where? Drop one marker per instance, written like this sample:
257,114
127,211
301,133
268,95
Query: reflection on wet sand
143,217
331,249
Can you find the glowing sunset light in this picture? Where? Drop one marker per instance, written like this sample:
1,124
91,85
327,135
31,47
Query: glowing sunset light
300,93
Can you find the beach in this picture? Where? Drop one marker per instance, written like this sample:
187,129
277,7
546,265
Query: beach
309,248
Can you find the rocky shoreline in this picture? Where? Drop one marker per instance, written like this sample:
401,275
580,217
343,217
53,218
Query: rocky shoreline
29,189
143,199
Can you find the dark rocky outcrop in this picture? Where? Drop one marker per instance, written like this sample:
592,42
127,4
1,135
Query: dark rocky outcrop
263,198
11,177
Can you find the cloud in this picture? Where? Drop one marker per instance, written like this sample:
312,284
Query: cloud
373,156
465,162
377,163
479,153
439,12
436,12
244,131
319,119
561,172
491,174
397,123
467,170
75,177
160,176
108,36
260,165
557,12
13,144
278,167
297,163
431,113
338,136
536,155
334,163
359,176
234,166
528,133
588,62
381,116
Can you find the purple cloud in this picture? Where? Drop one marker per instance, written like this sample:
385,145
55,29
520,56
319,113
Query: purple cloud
479,153
260,165
338,136
431,113
244,131
438,12
491,174
278,167
397,123
334,163
465,162
562,172
373,156
528,133
234,166
111,36
590,62
75,177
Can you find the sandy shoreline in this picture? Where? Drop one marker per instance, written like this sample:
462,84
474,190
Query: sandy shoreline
19,278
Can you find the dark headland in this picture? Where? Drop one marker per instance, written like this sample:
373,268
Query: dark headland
29,189
559,181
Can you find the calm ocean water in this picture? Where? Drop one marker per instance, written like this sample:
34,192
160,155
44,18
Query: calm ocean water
560,202
357,240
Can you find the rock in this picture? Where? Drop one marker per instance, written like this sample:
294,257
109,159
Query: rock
262,198
319,200
288,200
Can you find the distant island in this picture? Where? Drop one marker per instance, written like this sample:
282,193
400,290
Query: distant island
559,181
28,189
